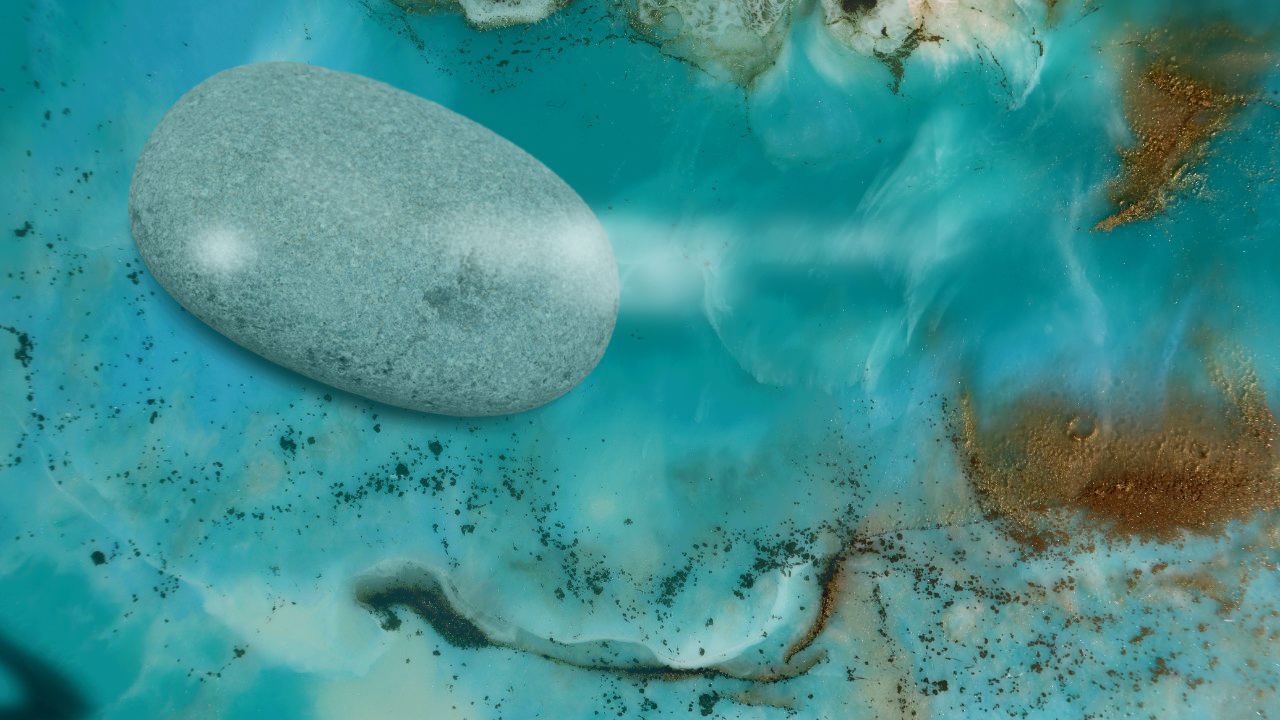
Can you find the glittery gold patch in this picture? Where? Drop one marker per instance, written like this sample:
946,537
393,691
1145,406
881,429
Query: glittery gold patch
1182,89
1201,459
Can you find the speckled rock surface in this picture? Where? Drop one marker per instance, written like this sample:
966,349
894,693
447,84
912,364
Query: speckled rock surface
374,241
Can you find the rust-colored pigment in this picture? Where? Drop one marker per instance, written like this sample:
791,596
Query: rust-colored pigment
1183,87
1190,465
830,581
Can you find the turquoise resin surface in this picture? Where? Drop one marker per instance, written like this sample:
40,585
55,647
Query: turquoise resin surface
759,498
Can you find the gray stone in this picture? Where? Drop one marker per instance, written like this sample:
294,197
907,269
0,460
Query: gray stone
374,241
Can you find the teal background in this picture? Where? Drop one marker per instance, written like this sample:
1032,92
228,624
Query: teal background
809,266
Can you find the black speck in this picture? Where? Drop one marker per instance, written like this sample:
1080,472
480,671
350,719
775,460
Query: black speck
854,6
23,353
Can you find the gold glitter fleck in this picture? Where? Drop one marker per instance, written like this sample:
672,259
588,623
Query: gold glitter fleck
1183,89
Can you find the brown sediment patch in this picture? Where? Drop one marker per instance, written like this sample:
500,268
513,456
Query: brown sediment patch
1204,584
1183,88
1191,465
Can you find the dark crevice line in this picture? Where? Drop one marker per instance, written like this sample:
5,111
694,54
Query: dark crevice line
421,593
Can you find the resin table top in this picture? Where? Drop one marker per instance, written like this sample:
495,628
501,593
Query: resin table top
942,383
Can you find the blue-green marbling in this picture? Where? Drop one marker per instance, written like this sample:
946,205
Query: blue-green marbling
809,267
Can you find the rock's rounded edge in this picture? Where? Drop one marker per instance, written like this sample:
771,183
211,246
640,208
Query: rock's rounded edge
138,231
